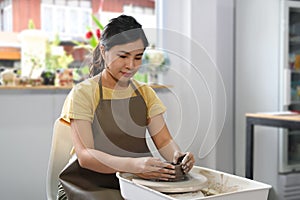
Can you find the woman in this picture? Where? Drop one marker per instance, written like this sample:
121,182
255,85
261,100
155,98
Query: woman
109,114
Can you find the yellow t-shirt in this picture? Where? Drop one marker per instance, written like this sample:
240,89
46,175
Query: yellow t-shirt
83,99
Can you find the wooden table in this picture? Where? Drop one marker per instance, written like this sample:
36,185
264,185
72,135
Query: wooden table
281,120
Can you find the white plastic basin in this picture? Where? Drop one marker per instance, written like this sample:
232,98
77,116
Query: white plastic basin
223,186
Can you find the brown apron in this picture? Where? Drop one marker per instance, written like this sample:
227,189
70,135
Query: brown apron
119,129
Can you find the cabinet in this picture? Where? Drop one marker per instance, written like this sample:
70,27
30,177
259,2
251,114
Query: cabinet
291,61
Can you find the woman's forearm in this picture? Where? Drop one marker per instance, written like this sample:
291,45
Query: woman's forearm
168,151
162,138
102,162
105,163
90,158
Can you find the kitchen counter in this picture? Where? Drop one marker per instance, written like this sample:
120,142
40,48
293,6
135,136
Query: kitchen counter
50,87
42,87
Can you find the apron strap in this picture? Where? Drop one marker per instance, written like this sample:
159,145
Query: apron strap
137,92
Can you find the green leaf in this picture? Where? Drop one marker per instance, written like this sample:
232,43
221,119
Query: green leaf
93,41
89,28
85,70
56,40
31,24
97,22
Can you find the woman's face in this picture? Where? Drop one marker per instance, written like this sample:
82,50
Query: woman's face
123,61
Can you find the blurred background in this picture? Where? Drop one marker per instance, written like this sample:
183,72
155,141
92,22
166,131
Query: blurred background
222,59
64,26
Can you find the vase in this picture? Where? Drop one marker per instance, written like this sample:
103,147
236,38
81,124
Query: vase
153,78
33,52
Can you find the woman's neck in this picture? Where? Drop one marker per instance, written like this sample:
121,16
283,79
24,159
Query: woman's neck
109,81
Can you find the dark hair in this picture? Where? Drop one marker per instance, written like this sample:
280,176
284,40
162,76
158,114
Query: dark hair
118,31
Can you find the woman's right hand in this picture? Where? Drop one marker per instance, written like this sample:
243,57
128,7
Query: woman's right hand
152,168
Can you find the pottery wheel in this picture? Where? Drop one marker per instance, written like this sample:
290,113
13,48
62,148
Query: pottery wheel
193,182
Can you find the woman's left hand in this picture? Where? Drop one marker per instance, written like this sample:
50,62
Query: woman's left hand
187,160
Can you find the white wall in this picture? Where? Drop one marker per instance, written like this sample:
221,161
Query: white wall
257,82
198,35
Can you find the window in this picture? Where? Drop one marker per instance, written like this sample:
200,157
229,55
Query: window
68,18
6,15
138,10
146,16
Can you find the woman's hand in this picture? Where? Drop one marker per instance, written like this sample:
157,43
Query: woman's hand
152,168
186,159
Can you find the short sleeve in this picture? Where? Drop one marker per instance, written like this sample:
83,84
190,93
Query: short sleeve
81,102
154,105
